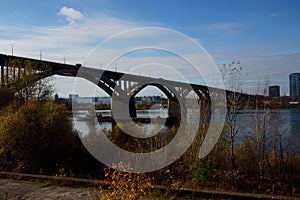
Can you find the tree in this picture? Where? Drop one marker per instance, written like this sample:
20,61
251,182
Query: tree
33,82
36,133
232,76
34,137
6,96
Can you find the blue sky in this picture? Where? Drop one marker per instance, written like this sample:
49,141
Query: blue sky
264,35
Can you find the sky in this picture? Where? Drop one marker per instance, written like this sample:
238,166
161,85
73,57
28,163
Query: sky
263,35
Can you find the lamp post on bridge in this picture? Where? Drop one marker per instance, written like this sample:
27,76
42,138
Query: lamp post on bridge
41,55
12,48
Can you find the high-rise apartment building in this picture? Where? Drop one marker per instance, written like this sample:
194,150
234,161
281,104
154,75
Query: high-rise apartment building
274,91
295,85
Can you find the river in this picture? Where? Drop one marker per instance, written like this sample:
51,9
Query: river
285,122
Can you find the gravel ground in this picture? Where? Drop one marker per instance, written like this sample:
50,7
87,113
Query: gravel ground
19,190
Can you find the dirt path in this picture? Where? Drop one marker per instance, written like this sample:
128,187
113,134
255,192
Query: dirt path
20,190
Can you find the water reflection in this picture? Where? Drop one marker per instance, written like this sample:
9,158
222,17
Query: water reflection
286,122
85,124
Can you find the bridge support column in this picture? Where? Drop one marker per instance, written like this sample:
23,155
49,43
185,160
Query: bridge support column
174,112
2,74
132,109
121,106
7,74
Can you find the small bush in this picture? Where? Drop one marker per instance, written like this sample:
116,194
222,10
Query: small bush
124,185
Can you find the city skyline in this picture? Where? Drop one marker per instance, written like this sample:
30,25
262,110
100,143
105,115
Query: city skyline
264,37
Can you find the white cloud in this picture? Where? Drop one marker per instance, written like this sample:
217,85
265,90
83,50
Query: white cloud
71,14
73,40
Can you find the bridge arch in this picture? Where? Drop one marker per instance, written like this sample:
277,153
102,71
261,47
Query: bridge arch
174,98
165,89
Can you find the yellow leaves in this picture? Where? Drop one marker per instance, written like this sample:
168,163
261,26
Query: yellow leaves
61,173
31,132
123,185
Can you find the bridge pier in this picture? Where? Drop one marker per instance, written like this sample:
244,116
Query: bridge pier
119,105
2,74
174,112
132,109
7,73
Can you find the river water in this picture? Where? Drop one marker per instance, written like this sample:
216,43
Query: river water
84,125
285,122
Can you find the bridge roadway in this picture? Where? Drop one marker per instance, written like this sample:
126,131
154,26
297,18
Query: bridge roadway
124,86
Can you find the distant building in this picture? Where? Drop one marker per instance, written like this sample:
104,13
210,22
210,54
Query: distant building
295,85
75,98
103,100
148,99
274,91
